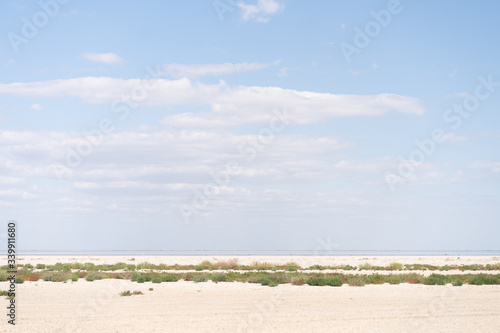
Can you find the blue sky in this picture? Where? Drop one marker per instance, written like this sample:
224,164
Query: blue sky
306,142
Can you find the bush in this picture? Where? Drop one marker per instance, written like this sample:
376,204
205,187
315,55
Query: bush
291,267
394,279
265,281
318,267
348,268
126,293
435,279
356,281
135,276
30,276
206,265
156,279
394,266
228,264
200,278
40,266
316,281
169,277
377,279
334,281
19,280
298,282
481,279
261,266
95,276
457,283
219,278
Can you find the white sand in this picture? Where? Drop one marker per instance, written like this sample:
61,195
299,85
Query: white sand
241,307
247,260
237,307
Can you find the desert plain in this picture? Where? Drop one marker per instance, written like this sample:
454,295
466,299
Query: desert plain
189,306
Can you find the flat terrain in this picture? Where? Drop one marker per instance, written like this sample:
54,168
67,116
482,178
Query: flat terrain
247,260
186,306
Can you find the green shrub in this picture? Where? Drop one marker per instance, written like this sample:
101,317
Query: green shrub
19,280
356,280
201,278
377,279
95,276
316,281
206,265
457,283
169,277
481,279
219,278
60,276
394,266
291,267
318,267
334,281
366,266
435,279
126,293
156,279
40,266
348,268
265,281
394,279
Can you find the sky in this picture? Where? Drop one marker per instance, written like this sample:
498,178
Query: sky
250,125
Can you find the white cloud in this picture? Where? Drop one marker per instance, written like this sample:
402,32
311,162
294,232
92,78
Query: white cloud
285,70
453,138
195,71
230,105
105,58
36,107
261,11
460,95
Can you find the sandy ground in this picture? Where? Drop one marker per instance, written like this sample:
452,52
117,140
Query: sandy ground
247,260
241,307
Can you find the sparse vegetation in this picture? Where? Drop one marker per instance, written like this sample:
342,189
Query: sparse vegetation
266,274
128,293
